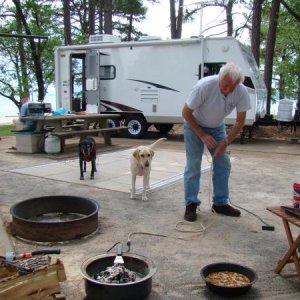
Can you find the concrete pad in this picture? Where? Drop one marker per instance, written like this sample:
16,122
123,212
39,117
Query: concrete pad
113,171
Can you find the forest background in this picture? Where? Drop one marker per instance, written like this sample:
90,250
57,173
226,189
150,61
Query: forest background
272,30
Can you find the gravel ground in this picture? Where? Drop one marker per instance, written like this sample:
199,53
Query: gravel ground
263,172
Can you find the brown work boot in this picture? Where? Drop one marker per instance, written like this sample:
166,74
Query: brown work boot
190,212
226,210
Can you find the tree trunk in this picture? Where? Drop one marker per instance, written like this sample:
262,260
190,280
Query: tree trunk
281,86
229,17
179,20
91,17
255,36
172,19
100,16
23,78
129,33
84,20
67,22
34,53
107,16
281,82
270,49
176,22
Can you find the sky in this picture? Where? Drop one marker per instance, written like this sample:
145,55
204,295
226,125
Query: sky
157,24
158,19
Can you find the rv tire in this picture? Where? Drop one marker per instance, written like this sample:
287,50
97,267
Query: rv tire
112,123
137,126
163,128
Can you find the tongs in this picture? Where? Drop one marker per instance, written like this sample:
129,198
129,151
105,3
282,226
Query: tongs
119,258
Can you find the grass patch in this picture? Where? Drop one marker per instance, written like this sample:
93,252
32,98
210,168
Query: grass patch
5,130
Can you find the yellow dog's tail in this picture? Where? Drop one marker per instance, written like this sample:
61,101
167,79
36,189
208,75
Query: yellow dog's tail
152,146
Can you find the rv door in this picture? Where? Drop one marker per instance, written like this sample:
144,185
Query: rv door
92,81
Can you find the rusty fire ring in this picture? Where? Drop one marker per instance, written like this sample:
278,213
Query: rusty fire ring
25,226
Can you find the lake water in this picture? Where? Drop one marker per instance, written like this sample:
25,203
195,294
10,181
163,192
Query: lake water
8,108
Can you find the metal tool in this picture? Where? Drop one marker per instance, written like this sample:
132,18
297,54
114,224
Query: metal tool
119,258
11,256
21,270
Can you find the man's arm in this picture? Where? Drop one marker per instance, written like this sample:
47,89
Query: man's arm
234,131
207,139
24,110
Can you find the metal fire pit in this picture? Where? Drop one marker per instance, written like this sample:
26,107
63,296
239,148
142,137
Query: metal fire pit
140,289
54,218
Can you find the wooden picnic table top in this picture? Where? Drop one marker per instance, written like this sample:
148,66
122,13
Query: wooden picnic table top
69,117
281,213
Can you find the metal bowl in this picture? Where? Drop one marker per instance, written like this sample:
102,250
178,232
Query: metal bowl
231,267
140,289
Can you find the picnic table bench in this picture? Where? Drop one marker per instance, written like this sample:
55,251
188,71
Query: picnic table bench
106,132
71,125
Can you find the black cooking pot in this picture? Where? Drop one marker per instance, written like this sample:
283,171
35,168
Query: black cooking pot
231,267
140,289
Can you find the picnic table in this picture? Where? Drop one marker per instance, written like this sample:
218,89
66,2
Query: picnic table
291,255
70,125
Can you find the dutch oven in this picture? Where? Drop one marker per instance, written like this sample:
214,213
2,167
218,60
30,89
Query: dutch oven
139,289
230,267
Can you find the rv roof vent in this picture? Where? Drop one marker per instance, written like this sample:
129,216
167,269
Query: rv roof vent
149,38
103,38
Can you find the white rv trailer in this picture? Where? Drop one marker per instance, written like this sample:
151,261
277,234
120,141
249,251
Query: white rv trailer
148,81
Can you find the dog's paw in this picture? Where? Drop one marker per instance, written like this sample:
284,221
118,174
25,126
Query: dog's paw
82,178
132,196
144,198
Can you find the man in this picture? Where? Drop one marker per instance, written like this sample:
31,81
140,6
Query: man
211,100
24,112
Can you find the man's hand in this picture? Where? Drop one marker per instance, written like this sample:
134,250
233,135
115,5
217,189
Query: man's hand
208,140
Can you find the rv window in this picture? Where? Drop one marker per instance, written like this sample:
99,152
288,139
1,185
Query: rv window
107,72
210,69
248,82
77,69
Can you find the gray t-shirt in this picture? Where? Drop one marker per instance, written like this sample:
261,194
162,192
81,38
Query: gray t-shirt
210,106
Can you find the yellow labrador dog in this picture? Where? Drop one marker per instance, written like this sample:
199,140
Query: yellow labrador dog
140,165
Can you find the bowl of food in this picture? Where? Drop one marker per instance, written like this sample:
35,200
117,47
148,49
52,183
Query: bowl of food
228,279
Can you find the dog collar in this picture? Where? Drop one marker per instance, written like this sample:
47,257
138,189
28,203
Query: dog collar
87,158
140,169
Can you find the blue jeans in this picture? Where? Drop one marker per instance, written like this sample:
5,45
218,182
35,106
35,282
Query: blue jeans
220,172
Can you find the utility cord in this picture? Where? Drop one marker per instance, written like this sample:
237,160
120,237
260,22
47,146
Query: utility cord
266,226
128,243
197,232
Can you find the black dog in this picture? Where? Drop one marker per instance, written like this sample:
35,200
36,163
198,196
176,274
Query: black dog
87,152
